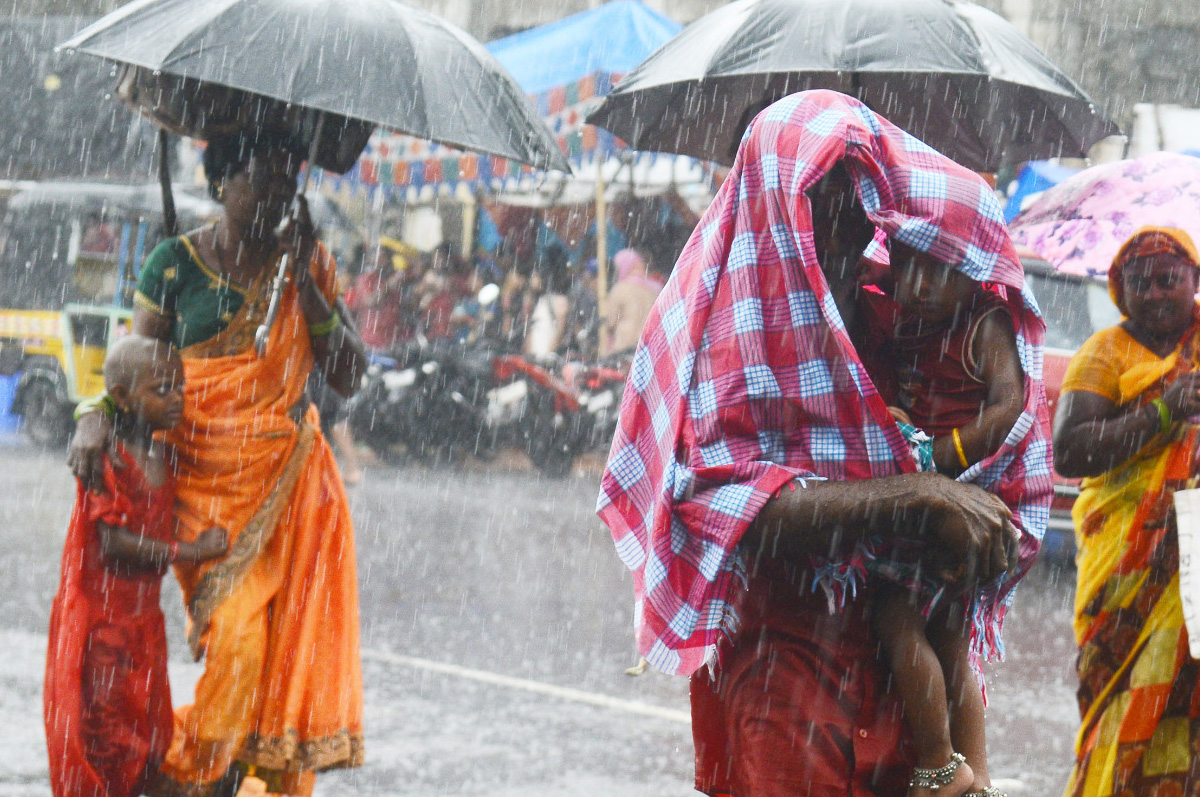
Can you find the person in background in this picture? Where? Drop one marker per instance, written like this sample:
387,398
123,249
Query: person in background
377,300
99,237
455,277
549,319
628,303
1125,424
335,423
582,331
335,417
516,301
107,700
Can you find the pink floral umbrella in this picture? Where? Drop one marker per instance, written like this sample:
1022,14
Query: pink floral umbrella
1079,224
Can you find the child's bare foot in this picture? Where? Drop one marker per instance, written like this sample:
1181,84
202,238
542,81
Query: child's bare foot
952,780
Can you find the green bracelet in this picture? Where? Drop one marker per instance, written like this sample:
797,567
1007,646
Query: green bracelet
1164,414
102,403
325,327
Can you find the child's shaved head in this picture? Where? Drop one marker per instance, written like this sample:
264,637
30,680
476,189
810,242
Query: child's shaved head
135,357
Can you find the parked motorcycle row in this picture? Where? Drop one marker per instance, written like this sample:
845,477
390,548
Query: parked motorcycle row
439,401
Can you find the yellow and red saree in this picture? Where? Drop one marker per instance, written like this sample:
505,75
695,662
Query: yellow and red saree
277,617
1139,691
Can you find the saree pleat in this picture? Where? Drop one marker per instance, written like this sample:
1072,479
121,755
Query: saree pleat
1138,694
277,617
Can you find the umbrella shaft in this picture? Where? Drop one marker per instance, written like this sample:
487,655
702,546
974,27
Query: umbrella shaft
281,279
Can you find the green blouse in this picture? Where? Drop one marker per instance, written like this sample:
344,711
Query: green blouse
175,283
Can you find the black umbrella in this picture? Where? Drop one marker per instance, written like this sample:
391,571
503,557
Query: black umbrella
954,74
325,70
361,62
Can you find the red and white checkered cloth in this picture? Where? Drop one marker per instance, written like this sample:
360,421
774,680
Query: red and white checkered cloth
745,378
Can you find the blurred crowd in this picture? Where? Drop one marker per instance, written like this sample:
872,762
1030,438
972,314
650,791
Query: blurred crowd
546,299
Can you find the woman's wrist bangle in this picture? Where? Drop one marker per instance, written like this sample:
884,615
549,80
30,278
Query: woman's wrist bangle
958,448
1164,414
327,326
102,403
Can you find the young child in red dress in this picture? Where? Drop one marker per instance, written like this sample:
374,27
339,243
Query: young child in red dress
107,702
958,378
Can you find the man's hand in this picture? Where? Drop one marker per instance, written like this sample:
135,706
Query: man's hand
85,455
970,526
974,526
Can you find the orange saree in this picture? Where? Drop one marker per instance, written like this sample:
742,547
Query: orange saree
277,618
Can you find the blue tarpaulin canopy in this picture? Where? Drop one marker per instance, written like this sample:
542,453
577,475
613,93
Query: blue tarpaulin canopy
1034,178
612,38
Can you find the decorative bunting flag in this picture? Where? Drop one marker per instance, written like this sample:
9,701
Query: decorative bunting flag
394,162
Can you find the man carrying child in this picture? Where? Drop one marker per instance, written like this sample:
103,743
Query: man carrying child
757,469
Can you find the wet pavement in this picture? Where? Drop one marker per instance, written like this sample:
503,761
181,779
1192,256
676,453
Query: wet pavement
496,625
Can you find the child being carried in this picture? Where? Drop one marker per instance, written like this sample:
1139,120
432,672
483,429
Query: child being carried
959,379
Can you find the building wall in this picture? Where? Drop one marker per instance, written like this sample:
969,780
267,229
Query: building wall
1126,51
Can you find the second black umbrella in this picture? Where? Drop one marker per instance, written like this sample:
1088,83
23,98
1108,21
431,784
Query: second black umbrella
954,74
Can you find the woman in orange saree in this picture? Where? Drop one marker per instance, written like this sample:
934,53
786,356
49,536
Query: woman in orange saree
1122,424
277,618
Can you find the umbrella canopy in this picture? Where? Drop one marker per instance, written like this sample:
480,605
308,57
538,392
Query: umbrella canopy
373,61
565,66
1079,224
953,74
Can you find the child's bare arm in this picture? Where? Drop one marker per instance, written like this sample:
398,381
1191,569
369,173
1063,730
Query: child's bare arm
122,545
995,350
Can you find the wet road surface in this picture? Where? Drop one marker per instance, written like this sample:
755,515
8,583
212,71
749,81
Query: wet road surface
496,625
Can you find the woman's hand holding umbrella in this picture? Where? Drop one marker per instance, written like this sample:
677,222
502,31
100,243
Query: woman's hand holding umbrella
336,346
298,240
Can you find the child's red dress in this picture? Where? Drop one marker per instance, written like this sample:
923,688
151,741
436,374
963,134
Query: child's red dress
107,702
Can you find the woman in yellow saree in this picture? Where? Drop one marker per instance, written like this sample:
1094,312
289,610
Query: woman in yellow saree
1122,423
277,618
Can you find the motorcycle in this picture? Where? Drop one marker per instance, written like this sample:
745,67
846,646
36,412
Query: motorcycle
442,400
377,411
601,386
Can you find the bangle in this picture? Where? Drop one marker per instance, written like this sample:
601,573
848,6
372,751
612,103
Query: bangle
1164,414
102,403
325,327
958,446
173,552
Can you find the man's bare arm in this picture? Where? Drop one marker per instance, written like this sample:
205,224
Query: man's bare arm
827,518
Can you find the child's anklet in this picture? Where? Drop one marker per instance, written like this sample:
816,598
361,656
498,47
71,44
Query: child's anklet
990,791
934,779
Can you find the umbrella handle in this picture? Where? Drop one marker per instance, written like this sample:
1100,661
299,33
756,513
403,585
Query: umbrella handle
263,333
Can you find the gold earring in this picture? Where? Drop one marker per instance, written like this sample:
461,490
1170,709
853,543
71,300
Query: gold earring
220,191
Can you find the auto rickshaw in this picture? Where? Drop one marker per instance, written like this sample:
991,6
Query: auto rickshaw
70,255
